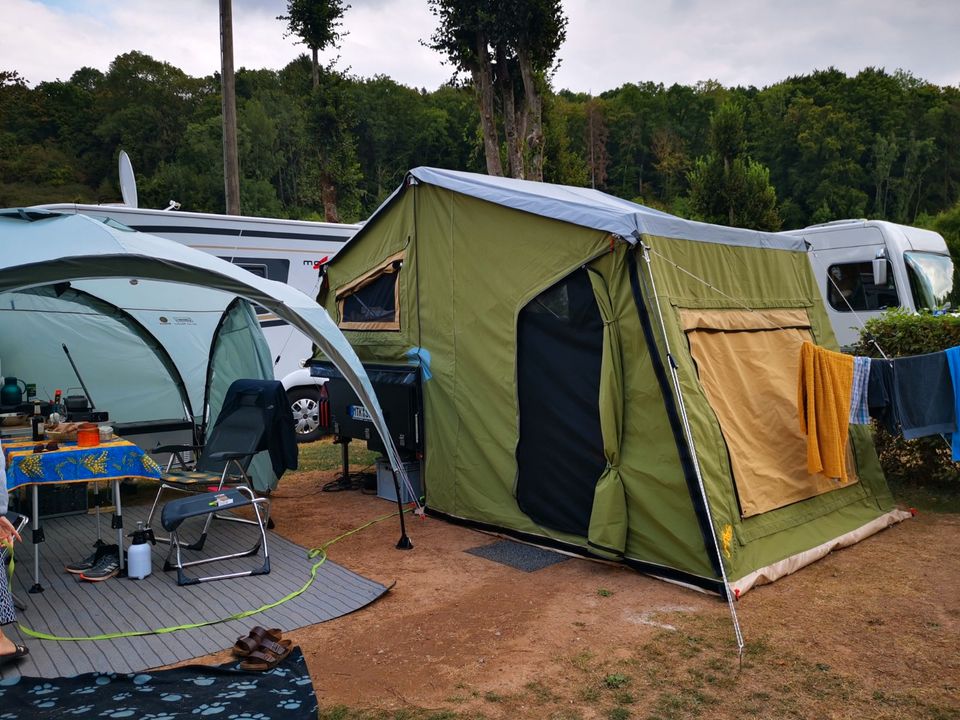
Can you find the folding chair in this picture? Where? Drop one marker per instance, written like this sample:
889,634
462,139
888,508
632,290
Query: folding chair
249,422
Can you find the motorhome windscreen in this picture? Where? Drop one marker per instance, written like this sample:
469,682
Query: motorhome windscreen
931,280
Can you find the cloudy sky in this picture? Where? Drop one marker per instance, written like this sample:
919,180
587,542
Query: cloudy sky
609,42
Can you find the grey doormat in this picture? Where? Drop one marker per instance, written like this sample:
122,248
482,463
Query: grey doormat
527,558
68,607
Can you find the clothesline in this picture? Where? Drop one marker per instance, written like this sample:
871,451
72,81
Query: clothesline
915,396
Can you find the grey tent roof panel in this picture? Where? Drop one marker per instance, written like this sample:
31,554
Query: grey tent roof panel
589,208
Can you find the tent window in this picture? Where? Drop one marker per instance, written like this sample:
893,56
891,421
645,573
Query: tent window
371,302
748,364
560,452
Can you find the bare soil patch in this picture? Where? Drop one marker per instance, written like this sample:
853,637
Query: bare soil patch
870,631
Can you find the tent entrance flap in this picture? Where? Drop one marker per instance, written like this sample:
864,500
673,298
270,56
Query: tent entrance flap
560,455
747,362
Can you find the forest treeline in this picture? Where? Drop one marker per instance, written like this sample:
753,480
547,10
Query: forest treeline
812,148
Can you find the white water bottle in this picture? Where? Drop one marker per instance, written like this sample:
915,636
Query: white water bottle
139,555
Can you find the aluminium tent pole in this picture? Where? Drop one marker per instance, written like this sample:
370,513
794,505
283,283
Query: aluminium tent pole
693,452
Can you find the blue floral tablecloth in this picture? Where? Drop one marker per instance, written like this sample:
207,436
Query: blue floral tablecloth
114,460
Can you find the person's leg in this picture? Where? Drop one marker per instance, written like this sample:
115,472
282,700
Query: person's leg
7,609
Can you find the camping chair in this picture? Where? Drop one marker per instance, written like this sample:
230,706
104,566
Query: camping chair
249,422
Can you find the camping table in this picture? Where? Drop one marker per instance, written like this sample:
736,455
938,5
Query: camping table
111,462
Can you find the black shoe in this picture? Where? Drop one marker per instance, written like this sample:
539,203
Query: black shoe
80,565
107,566
87,563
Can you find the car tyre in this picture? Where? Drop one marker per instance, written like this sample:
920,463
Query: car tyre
305,405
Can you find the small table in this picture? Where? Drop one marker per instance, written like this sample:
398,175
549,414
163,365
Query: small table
110,461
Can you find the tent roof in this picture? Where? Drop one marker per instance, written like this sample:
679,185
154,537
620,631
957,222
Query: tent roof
588,208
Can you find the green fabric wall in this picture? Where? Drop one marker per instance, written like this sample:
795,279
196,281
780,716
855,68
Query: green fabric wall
470,266
757,278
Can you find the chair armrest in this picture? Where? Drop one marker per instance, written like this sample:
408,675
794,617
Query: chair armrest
230,455
176,449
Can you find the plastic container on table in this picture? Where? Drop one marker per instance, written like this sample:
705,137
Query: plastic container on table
88,435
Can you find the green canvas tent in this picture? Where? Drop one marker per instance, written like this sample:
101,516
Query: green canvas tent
605,377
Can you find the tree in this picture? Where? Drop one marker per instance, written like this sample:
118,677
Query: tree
885,151
317,23
596,141
670,161
496,41
726,185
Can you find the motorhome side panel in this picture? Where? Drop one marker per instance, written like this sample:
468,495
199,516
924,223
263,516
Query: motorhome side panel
289,251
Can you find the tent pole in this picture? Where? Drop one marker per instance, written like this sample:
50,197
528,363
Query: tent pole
693,452
404,543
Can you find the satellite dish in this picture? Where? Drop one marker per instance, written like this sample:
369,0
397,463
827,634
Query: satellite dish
128,183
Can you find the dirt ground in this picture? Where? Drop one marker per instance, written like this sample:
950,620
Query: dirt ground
872,631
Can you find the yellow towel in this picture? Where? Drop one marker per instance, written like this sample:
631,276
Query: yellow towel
824,387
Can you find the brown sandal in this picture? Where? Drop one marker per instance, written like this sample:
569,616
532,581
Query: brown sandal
267,656
244,646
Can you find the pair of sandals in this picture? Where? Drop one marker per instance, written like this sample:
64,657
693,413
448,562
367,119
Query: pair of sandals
262,649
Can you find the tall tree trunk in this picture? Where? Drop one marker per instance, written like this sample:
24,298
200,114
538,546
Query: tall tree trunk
508,108
482,74
328,193
726,190
315,67
534,117
231,165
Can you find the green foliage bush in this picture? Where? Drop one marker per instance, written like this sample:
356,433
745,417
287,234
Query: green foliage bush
925,461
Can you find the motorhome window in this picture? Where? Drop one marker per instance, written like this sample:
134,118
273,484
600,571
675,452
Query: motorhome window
267,268
270,268
850,288
371,302
931,280
258,270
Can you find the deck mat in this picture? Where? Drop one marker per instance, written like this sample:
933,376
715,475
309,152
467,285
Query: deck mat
284,692
527,558
68,607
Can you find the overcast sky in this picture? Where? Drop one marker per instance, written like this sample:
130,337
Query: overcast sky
609,42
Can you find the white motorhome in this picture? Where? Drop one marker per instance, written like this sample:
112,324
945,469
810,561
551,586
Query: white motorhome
289,251
864,267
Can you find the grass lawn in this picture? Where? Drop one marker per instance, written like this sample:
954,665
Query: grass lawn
325,455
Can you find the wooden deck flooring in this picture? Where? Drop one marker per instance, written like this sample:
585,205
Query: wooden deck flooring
72,608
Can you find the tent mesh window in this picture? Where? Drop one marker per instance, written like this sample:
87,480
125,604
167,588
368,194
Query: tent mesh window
371,301
560,452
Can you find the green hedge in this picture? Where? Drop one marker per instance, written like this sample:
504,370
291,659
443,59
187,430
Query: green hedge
923,462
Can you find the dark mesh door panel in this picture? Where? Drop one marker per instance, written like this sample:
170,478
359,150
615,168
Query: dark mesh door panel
560,454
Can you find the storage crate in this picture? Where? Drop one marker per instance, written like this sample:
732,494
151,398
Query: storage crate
53,500
385,486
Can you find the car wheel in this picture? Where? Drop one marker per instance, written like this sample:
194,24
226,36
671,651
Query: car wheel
305,405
